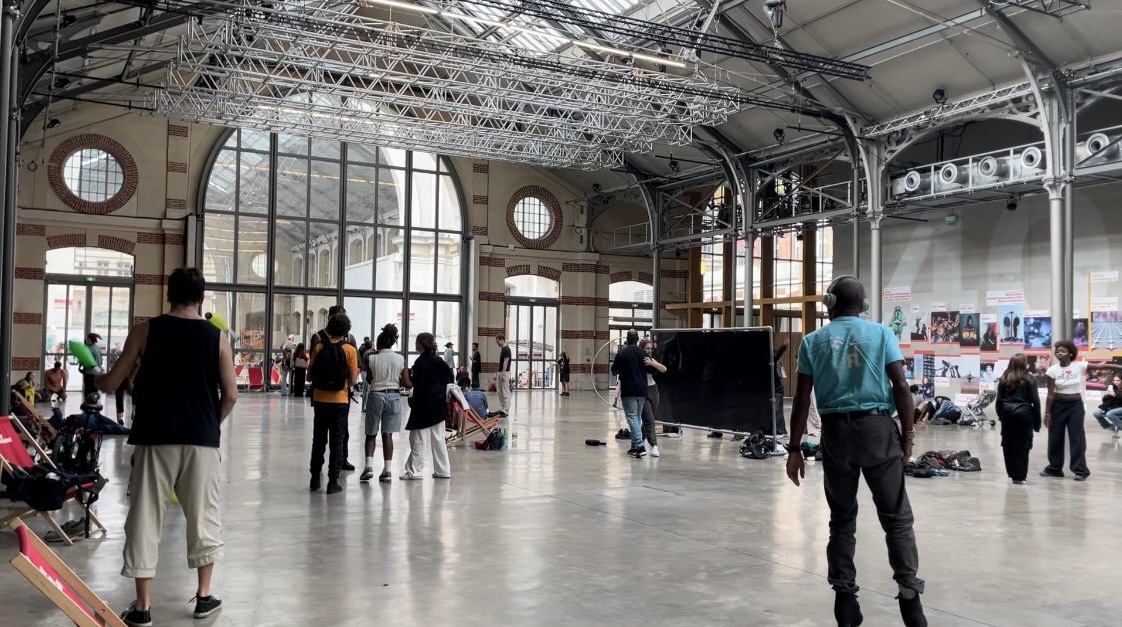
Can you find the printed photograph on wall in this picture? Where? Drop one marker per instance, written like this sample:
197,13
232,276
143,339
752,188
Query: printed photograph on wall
897,322
1038,365
1012,320
918,326
969,329
1038,332
944,327
988,342
987,376
1079,332
1106,330
969,368
947,367
1098,378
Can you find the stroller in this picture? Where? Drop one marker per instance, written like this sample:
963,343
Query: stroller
975,411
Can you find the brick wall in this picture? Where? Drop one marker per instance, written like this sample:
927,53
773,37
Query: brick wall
91,140
66,241
118,244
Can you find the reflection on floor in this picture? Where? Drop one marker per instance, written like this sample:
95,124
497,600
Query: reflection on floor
553,532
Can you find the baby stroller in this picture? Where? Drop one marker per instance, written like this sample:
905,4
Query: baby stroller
975,411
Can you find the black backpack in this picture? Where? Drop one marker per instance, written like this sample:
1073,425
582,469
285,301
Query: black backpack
329,370
77,447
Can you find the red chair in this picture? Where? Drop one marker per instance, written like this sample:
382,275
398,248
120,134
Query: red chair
256,378
13,454
39,564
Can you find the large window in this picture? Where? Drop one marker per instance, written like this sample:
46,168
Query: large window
316,223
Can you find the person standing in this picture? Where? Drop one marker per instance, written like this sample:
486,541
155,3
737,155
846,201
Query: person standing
650,403
118,394
856,372
631,370
476,365
1018,408
564,372
317,338
502,377
90,374
333,370
429,409
450,355
299,369
176,432
1064,412
55,380
386,377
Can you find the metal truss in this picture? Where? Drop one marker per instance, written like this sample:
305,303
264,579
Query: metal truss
1054,8
591,20
404,76
930,117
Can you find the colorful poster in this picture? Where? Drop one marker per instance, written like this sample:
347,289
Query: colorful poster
970,326
1011,318
1001,298
919,326
988,342
1079,332
897,322
944,327
969,368
986,377
1038,366
910,369
1106,330
1038,332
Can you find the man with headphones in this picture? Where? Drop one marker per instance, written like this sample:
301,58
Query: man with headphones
856,372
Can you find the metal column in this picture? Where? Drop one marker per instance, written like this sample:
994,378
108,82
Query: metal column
748,217
855,201
656,287
1061,327
9,136
1056,257
874,289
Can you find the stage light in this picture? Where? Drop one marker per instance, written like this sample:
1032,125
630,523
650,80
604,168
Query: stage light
939,96
780,135
1011,204
54,123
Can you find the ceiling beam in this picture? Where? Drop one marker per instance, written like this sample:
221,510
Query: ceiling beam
31,110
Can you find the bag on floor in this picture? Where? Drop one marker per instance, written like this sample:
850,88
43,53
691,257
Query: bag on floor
493,441
966,464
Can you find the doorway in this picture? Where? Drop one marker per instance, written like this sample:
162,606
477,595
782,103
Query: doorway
532,335
88,290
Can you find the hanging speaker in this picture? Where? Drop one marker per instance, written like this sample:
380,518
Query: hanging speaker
912,182
991,167
1032,158
1097,143
951,174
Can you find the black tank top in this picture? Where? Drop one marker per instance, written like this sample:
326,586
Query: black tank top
176,390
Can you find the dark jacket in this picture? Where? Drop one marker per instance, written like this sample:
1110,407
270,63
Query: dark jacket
1020,405
632,372
1111,400
428,404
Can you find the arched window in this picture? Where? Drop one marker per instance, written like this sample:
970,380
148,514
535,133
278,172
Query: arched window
278,218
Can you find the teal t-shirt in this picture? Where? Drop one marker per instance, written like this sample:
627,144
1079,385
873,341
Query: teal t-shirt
846,359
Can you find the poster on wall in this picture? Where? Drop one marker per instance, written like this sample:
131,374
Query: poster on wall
1038,331
1106,330
986,378
1079,332
944,327
970,325
919,324
910,369
1001,298
1098,377
1038,366
988,343
897,322
1012,319
970,368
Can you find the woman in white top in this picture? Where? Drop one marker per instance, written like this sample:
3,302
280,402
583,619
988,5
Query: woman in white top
1064,412
386,375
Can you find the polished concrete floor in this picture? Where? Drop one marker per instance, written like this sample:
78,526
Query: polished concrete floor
553,532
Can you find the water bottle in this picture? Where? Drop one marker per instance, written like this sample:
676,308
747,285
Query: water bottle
513,428
506,432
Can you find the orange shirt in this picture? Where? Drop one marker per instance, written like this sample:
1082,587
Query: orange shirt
338,396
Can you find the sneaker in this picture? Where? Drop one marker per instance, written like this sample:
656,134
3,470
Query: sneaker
205,606
333,487
347,466
1080,477
654,451
385,477
313,485
911,610
623,434
436,476
137,618
639,453
1048,473
367,474
614,406
847,611
410,477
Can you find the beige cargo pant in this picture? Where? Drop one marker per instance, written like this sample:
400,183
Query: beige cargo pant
193,473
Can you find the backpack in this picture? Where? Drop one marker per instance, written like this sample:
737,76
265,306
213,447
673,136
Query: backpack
286,359
77,448
494,441
329,370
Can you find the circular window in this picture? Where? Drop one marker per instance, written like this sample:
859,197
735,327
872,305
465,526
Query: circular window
531,218
534,217
93,175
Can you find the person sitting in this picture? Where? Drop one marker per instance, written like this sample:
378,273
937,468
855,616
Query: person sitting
1109,413
920,404
55,381
91,418
25,387
476,397
946,412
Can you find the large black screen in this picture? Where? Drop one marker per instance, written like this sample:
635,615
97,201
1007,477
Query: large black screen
718,379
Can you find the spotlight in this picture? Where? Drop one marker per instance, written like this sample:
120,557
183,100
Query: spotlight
596,188
780,135
674,167
939,96
61,82
68,20
799,236
774,10
53,123
1011,204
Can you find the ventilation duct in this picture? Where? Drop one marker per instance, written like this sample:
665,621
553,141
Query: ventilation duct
913,181
1098,145
952,175
1032,159
992,167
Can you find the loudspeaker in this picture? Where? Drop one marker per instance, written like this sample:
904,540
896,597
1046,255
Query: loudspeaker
991,167
951,174
912,182
1032,158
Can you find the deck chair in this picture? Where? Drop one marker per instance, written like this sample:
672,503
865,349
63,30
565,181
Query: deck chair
256,378
39,426
466,421
13,454
39,564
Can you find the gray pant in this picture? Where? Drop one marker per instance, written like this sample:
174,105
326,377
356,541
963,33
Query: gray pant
869,445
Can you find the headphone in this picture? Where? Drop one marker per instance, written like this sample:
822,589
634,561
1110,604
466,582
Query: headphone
829,300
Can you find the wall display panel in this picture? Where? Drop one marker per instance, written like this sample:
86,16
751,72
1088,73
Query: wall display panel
249,323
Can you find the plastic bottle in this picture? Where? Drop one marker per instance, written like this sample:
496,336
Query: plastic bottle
506,432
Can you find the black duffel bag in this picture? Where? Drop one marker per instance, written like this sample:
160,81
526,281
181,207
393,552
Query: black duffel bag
44,488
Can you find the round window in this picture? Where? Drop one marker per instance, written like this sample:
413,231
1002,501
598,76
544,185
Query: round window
93,175
532,218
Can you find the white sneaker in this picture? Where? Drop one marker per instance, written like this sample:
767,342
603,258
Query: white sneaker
654,451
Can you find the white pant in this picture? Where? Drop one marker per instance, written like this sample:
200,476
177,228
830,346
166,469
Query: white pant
432,438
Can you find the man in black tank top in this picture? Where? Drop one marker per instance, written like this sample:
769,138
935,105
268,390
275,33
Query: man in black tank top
176,433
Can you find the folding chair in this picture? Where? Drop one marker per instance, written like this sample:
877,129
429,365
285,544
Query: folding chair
256,378
40,426
39,564
467,421
13,454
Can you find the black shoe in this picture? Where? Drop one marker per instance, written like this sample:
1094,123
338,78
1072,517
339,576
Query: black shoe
911,610
367,474
333,487
715,434
1048,473
631,451
313,485
639,453
1081,477
623,434
347,466
847,611
205,606
137,618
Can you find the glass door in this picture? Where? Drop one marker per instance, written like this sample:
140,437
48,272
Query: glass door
75,310
532,336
